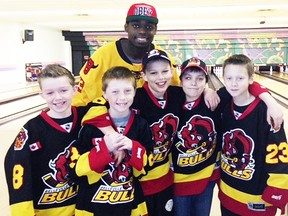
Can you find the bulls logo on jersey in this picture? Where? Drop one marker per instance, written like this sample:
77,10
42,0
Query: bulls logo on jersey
197,141
61,188
89,65
237,154
118,184
119,176
164,132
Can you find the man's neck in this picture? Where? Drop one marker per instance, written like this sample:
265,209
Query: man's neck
132,52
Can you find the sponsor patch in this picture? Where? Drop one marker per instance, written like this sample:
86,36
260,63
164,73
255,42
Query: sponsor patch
21,139
256,206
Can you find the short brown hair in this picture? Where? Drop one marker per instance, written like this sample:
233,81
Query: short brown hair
55,71
240,59
117,73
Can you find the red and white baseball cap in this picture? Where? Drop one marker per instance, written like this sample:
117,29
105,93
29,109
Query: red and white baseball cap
142,11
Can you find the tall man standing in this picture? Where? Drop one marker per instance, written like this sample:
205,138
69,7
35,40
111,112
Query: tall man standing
141,27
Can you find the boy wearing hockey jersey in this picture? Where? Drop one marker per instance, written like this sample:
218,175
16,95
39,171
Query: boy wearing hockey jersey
254,179
36,164
159,103
104,187
197,144
196,148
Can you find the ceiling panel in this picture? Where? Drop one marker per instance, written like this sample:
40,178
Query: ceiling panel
100,15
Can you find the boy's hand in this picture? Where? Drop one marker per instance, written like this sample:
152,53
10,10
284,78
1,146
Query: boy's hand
118,157
119,153
211,98
275,116
274,111
111,140
125,144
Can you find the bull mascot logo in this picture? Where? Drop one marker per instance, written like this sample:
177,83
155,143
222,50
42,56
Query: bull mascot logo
164,132
89,65
198,136
237,150
120,176
60,166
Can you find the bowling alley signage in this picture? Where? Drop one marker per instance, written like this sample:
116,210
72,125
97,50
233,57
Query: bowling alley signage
263,46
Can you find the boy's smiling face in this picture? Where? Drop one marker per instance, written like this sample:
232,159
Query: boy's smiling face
58,94
158,74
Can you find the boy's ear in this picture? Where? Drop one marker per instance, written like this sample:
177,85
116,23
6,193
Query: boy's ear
41,94
104,95
251,79
143,75
75,89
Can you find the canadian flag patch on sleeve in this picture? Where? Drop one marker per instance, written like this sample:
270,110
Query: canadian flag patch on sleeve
35,146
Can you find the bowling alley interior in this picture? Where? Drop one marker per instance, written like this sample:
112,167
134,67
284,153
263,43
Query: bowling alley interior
35,34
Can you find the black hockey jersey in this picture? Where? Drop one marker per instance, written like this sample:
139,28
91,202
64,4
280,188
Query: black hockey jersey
103,188
254,178
163,120
36,167
196,149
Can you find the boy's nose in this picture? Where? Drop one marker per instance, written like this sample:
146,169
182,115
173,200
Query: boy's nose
57,95
234,82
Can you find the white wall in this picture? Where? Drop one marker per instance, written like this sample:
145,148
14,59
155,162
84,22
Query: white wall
48,47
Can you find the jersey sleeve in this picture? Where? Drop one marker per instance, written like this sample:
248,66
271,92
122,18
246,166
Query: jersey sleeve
19,175
89,86
93,154
146,140
256,89
97,115
276,193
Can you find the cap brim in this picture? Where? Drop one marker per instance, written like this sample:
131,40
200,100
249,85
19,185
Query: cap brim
191,66
154,58
147,18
